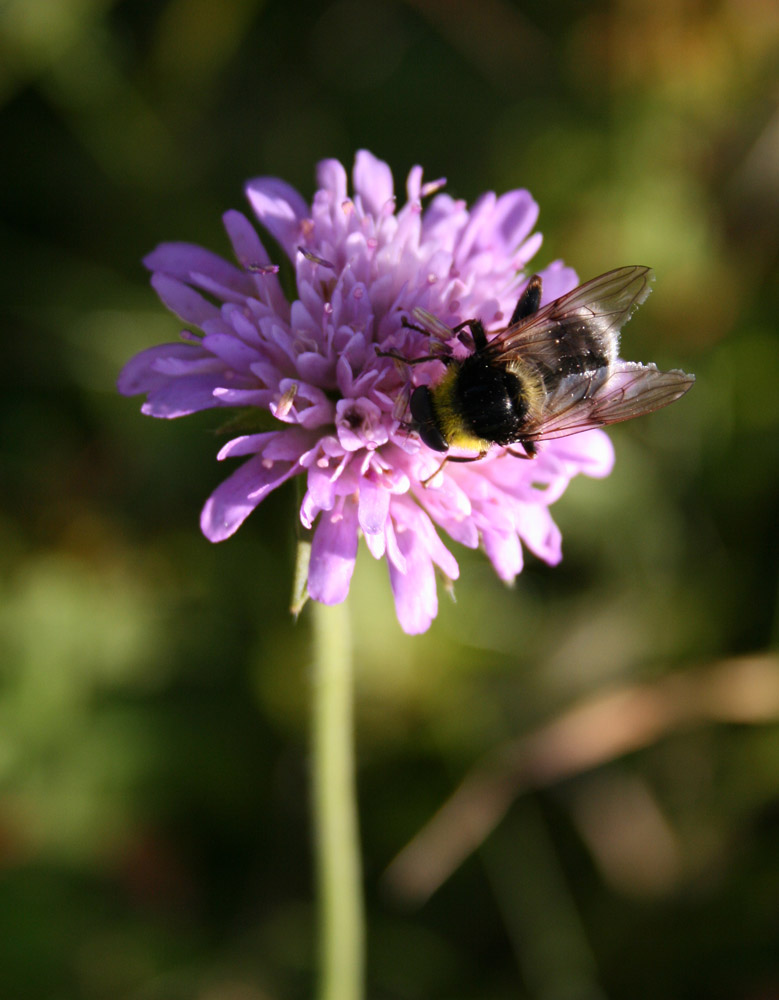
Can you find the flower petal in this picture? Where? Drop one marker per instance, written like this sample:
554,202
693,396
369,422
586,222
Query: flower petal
182,300
163,374
246,444
504,552
331,177
557,279
253,256
539,532
416,601
372,179
234,499
373,507
323,365
514,217
591,453
182,396
333,552
231,350
183,260
140,373
279,208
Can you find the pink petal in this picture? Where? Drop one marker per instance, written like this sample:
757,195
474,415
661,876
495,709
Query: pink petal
333,552
182,396
280,209
557,279
140,373
250,253
414,183
504,552
183,260
372,179
261,398
374,503
591,453
231,350
331,176
515,215
416,601
539,532
527,251
320,495
234,499
247,245
247,444
182,300
469,240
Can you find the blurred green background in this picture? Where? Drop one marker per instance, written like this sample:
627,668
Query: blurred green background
154,694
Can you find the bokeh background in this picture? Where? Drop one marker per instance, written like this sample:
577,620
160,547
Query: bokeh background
608,729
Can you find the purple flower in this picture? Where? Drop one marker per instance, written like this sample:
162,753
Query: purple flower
361,267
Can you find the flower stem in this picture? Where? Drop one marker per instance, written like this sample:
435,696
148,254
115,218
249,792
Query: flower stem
337,846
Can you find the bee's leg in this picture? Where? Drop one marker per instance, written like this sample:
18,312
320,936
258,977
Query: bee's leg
529,300
413,326
478,337
434,474
530,450
443,358
467,458
477,332
455,458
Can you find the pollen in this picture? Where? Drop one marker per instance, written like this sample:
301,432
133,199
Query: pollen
315,259
255,267
284,404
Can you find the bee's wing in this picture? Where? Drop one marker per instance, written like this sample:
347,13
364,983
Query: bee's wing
606,396
579,331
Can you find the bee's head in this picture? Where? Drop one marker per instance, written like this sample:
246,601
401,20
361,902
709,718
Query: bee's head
425,420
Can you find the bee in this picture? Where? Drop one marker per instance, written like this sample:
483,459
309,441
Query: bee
553,371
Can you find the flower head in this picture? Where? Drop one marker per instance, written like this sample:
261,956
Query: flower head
361,266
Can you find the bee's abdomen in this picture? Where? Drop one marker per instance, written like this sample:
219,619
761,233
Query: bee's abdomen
491,401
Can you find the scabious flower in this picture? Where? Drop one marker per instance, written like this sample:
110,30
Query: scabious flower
361,268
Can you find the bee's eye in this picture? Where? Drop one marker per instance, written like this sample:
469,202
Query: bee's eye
425,419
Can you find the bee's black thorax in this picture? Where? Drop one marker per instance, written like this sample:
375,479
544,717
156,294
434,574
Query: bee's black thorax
490,400
553,371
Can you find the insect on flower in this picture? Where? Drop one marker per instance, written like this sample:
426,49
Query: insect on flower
314,391
552,372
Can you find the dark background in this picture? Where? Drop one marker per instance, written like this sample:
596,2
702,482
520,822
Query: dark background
154,695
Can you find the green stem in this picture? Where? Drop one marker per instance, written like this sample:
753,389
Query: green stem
335,809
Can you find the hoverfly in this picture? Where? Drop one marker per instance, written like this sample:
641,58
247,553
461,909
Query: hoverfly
552,372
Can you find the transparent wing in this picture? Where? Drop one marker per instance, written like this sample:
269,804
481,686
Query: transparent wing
606,396
579,331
